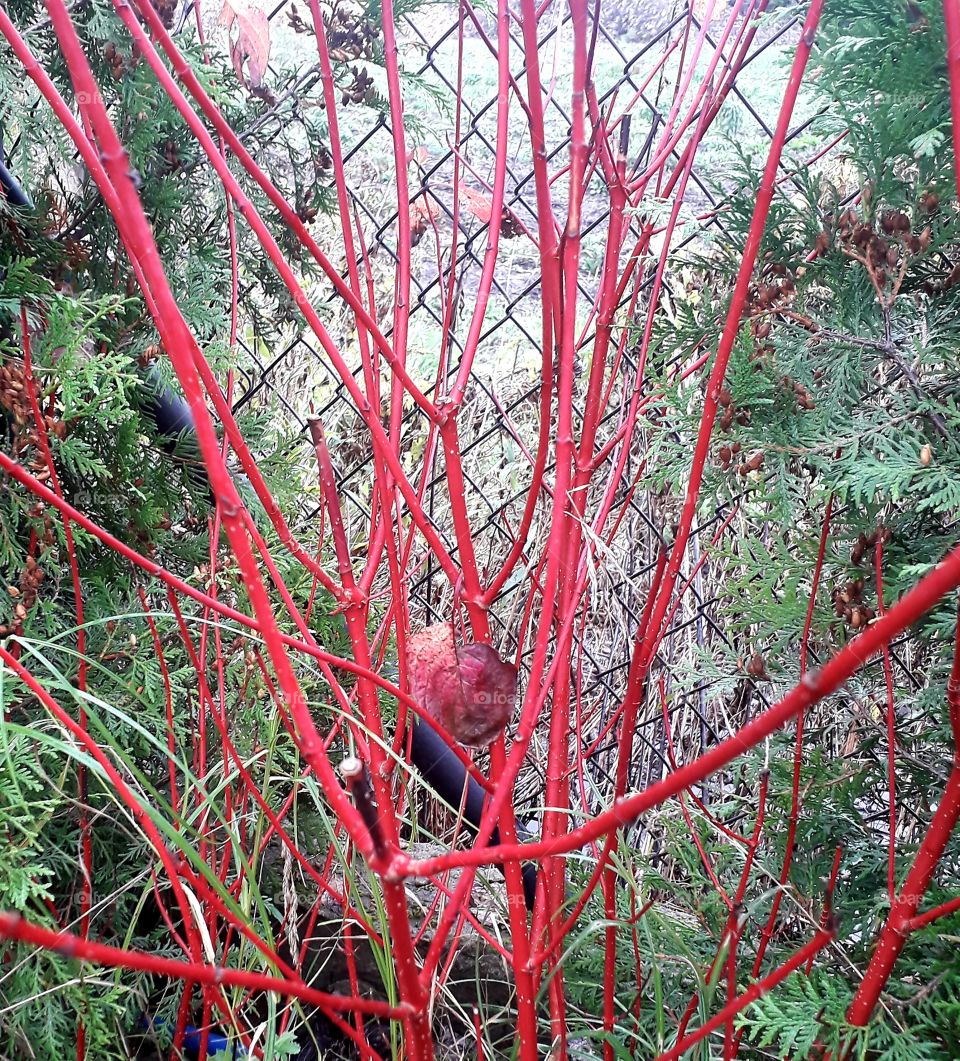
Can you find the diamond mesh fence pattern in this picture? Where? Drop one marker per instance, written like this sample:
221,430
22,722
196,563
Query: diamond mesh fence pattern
500,426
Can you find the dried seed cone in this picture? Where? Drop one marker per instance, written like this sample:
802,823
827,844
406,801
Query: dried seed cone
470,691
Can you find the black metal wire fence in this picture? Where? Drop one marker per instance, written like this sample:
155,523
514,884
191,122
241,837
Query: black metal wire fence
503,410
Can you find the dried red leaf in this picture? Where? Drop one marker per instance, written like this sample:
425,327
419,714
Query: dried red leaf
470,691
480,206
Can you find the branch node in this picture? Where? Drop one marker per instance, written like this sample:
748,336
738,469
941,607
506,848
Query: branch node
358,784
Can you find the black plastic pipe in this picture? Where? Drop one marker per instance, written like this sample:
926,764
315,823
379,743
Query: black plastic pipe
447,776
12,192
440,767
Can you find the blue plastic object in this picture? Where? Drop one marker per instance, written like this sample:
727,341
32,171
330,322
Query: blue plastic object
218,1046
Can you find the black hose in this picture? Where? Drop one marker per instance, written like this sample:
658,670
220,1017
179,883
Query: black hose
169,411
12,192
440,767
444,772
14,195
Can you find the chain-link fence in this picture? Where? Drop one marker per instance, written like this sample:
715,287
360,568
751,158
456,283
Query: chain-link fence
501,424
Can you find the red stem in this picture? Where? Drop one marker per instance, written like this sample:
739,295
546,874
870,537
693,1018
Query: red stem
812,689
14,927
755,991
891,718
896,931
793,821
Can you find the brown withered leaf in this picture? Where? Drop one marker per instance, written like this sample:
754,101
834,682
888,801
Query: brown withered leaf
252,42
